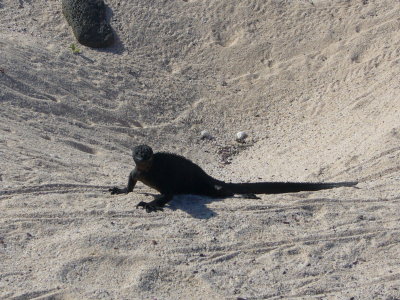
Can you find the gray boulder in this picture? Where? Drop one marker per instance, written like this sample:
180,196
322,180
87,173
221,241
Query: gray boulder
88,21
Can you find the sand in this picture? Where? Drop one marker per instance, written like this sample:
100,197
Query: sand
315,85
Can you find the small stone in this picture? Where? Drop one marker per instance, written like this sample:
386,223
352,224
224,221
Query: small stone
205,135
241,136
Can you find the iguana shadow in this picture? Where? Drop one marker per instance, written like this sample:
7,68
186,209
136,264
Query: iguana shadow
194,205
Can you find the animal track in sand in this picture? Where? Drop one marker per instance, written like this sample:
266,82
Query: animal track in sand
40,294
95,270
180,118
57,188
19,86
226,39
385,155
80,147
230,250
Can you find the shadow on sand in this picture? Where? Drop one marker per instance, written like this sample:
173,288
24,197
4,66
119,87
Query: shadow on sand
194,205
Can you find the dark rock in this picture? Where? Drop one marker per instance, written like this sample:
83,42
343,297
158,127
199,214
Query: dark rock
88,21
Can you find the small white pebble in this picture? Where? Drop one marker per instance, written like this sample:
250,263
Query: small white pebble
241,136
205,135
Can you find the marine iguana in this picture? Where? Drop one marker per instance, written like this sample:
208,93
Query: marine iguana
172,174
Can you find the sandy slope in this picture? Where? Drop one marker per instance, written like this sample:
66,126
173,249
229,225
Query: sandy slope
314,83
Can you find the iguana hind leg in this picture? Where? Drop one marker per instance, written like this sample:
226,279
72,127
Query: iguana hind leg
155,205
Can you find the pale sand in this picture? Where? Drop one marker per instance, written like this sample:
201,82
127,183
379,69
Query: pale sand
316,86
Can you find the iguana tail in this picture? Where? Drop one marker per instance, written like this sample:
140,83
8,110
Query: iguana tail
282,187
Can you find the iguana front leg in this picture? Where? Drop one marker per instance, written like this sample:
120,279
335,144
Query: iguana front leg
133,177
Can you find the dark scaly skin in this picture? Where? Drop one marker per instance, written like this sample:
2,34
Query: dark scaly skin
172,174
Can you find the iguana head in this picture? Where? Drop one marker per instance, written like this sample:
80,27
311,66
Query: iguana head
143,156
